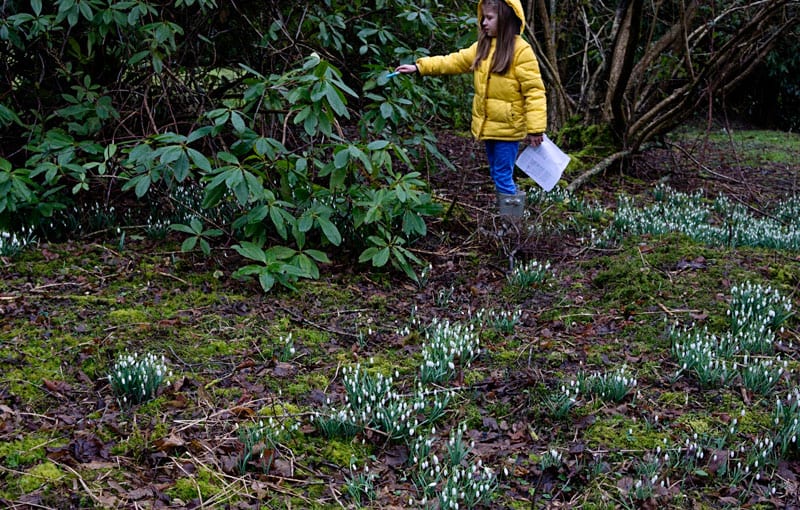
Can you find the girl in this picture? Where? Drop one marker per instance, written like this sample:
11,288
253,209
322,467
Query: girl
509,103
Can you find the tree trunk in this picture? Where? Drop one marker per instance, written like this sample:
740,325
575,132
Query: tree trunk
641,68
620,64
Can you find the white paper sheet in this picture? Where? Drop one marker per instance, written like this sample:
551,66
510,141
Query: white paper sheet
544,164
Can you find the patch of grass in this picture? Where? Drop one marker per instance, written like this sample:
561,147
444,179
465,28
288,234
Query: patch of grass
756,146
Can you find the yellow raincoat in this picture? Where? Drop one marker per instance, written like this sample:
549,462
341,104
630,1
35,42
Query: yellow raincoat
505,106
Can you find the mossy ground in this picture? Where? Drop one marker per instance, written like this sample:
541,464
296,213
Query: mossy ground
69,310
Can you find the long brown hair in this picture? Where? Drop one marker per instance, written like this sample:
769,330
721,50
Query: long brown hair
508,27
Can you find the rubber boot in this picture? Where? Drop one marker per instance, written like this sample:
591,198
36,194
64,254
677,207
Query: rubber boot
512,206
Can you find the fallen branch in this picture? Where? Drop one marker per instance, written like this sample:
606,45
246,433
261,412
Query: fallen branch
598,168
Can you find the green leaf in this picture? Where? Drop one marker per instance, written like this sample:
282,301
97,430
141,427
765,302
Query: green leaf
325,125
378,145
335,99
253,184
337,178
237,121
80,186
264,147
331,232
140,183
373,213
188,244
381,258
306,221
310,124
267,281
138,57
249,270
319,256
251,251
179,227
341,158
205,247
413,224
170,153
86,10
212,196
241,192
227,157
180,168
386,110
199,160
367,254
303,115
278,220
306,266
280,253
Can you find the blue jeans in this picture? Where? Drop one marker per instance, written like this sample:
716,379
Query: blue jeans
502,157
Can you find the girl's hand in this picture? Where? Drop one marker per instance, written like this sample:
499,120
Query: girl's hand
406,68
534,139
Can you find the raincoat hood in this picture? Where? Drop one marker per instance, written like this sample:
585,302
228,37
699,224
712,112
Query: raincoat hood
515,5
505,106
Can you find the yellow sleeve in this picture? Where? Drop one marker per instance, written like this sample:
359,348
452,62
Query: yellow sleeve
533,91
455,63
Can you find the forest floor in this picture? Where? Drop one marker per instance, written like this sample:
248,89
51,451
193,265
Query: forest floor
247,419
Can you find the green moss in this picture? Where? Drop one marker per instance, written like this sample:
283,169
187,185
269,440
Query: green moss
134,444
623,432
753,421
24,378
305,383
673,398
136,439
199,349
204,484
28,450
696,424
473,377
785,274
325,292
377,302
311,337
467,411
280,410
344,453
41,475
591,140
128,316
221,393
286,502
555,358
388,365
505,357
